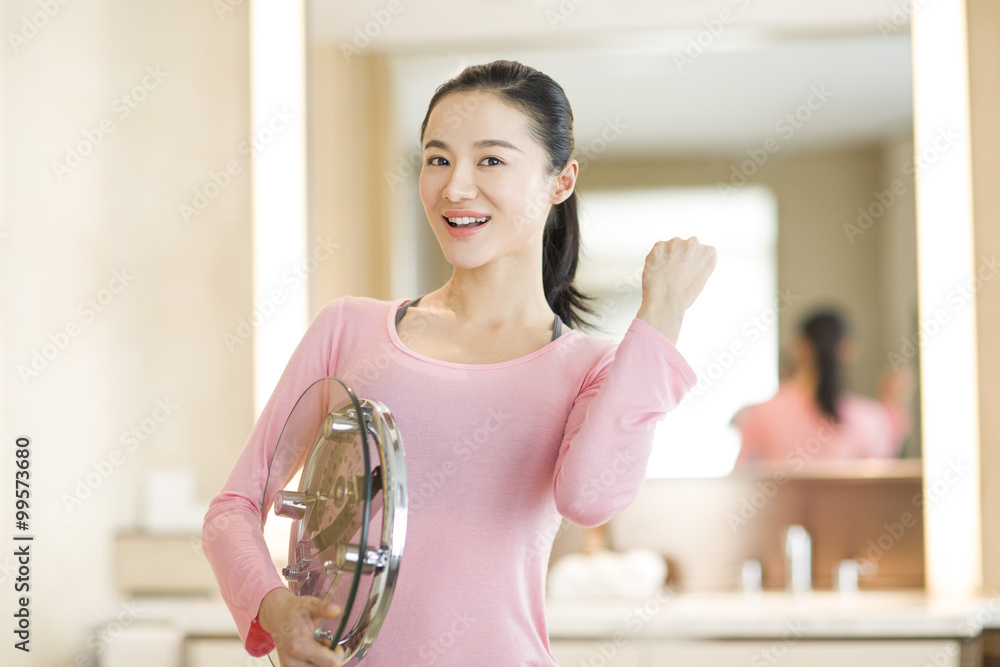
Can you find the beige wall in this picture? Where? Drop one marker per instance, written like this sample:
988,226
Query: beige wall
897,266
348,155
984,53
159,338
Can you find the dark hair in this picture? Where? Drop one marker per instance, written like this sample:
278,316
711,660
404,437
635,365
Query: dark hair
825,329
544,102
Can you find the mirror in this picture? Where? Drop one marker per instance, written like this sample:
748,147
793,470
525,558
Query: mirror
783,126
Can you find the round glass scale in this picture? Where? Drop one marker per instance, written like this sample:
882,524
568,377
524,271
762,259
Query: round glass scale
349,511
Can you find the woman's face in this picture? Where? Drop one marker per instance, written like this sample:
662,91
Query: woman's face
484,183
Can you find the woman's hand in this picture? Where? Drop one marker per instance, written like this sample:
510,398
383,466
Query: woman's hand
291,621
674,275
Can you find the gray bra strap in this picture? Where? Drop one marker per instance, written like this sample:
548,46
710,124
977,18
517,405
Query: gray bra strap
402,309
556,329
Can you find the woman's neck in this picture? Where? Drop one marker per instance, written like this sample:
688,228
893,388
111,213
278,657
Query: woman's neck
491,295
806,378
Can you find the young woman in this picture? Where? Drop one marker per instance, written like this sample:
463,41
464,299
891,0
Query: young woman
525,419
813,418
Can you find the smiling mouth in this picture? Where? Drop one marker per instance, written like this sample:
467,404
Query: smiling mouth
467,223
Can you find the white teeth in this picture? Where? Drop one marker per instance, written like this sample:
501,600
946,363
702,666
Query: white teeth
466,220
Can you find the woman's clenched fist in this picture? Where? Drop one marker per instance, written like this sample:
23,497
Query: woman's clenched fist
674,275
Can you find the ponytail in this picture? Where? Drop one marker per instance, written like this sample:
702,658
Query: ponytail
826,330
560,255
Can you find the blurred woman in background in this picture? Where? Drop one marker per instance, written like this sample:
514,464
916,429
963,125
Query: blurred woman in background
811,417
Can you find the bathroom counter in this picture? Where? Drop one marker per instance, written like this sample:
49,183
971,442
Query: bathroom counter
820,614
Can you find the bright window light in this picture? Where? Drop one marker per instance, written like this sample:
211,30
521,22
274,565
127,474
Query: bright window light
946,264
280,308
729,336
280,313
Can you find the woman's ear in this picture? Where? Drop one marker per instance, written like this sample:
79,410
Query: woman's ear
565,182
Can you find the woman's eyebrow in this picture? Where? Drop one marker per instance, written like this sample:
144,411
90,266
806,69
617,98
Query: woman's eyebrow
482,143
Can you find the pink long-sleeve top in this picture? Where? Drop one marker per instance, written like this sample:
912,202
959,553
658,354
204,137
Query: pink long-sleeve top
496,455
790,427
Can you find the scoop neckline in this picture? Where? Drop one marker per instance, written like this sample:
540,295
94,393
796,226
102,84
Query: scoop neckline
401,346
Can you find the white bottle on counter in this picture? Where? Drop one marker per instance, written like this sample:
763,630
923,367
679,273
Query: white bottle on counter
798,559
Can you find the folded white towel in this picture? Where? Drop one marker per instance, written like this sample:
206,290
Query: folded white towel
637,573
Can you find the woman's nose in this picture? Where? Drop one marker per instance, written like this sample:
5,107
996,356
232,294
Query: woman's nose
460,185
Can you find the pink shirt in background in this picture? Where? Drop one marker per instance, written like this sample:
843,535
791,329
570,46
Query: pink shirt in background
496,456
791,427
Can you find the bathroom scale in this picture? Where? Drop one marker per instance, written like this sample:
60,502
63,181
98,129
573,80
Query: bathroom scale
348,513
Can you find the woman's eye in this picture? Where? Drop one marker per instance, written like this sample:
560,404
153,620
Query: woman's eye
437,161
492,161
